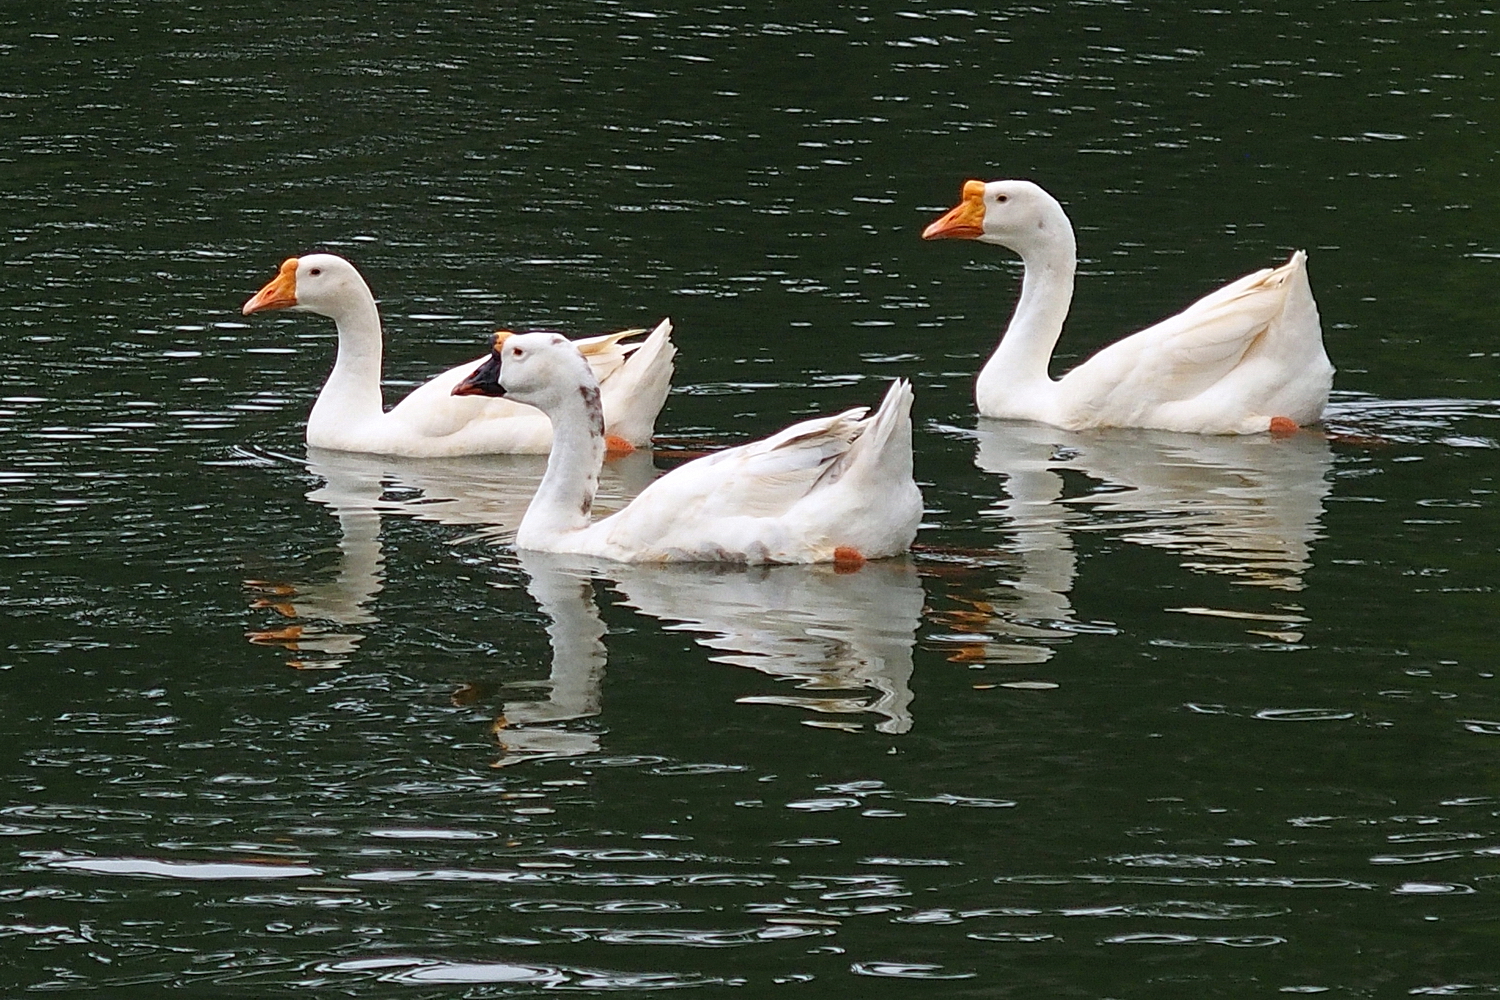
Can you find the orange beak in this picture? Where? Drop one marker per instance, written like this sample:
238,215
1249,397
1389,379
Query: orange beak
965,221
280,292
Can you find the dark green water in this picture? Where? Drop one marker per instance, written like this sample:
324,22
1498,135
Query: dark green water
1145,717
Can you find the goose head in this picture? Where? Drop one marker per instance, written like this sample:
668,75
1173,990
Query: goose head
1015,214
540,369
322,283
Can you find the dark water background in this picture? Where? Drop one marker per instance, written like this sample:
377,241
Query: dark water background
1146,716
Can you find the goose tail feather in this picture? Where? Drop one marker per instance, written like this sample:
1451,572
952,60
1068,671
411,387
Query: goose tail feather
635,394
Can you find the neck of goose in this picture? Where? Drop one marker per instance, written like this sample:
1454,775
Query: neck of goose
352,392
1019,364
564,503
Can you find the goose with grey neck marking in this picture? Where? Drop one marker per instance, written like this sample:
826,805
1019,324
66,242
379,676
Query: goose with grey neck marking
350,413
1245,359
833,489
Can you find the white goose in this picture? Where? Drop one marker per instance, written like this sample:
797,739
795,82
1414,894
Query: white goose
1245,359
350,415
832,489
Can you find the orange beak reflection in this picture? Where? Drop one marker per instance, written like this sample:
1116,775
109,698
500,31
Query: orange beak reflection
280,292
963,222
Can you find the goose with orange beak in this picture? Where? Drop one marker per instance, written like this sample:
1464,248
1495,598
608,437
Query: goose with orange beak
1245,359
431,422
835,489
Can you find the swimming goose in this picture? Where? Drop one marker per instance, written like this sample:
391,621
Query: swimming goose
832,489
1245,359
349,414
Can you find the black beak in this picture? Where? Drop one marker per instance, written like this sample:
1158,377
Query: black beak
483,381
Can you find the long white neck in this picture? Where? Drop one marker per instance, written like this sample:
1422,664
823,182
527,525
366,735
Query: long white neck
352,392
1017,371
564,503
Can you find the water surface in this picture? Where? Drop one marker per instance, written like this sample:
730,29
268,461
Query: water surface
1143,716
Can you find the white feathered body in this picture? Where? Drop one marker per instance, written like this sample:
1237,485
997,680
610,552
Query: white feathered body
349,413
1227,364
831,489
830,483
1241,360
431,422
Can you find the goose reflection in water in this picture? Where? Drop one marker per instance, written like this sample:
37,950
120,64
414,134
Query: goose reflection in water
844,639
530,730
487,493
1244,507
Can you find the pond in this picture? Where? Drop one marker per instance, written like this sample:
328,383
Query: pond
1143,715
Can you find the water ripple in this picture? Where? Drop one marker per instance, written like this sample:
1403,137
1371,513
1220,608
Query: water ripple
692,938
906,970
1187,861
1238,941
420,971
209,870
1433,889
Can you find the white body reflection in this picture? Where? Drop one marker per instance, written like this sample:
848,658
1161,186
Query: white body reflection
1244,507
527,730
845,640
344,600
488,493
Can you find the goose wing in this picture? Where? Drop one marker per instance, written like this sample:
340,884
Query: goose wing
1186,354
761,479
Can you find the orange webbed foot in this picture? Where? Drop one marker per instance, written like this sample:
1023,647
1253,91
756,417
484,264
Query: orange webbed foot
847,560
616,447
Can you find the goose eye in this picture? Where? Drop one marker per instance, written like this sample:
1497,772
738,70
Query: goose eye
315,271
515,352
1000,199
